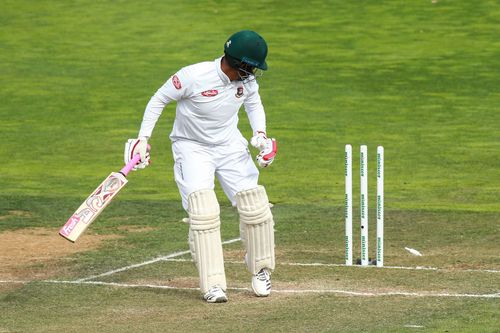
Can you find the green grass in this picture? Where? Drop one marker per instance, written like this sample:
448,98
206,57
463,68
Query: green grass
419,78
111,310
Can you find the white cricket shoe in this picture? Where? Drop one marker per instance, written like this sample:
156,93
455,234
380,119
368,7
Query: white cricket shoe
215,295
261,283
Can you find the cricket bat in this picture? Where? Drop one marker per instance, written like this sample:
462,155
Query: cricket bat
96,202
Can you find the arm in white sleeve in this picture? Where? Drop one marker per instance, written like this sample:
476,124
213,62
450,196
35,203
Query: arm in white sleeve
255,112
152,114
173,90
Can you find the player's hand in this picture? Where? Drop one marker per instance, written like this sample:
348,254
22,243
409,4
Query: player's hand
259,140
268,149
137,146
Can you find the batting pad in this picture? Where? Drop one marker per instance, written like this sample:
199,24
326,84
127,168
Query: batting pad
205,240
256,228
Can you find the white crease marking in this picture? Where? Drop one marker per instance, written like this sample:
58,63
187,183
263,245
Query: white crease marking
317,264
287,291
152,261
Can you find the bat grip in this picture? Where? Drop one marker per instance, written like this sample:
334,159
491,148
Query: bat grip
130,165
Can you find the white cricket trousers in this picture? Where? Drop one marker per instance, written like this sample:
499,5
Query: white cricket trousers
196,166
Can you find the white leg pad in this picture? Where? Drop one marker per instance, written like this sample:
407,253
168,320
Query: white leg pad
256,228
205,240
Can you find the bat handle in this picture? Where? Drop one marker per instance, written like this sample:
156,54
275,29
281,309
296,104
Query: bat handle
132,163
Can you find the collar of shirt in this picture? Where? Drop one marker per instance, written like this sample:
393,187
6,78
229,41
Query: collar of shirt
222,75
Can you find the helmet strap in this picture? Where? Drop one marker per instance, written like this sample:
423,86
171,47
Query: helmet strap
233,62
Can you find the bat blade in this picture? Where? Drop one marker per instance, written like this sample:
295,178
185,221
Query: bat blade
93,206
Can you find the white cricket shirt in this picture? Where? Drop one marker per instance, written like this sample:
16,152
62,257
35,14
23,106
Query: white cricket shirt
207,105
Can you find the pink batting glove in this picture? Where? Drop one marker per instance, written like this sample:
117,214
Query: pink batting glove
266,155
137,146
259,140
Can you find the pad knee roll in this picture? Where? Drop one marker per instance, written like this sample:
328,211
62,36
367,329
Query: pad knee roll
205,240
256,228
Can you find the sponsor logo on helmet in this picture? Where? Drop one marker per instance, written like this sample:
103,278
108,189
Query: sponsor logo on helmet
228,43
239,92
176,82
210,93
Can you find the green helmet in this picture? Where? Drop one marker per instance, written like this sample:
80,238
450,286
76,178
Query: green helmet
248,47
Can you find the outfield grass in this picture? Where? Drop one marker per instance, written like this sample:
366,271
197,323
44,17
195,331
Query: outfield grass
420,78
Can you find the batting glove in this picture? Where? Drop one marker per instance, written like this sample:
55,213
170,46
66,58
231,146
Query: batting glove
259,140
268,149
137,146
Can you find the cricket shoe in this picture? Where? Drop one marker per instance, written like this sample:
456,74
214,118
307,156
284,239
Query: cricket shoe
261,283
215,295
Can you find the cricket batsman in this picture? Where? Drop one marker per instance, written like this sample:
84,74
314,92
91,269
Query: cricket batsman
206,143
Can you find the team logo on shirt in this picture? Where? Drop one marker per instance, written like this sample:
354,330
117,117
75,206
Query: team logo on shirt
210,93
239,92
176,82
